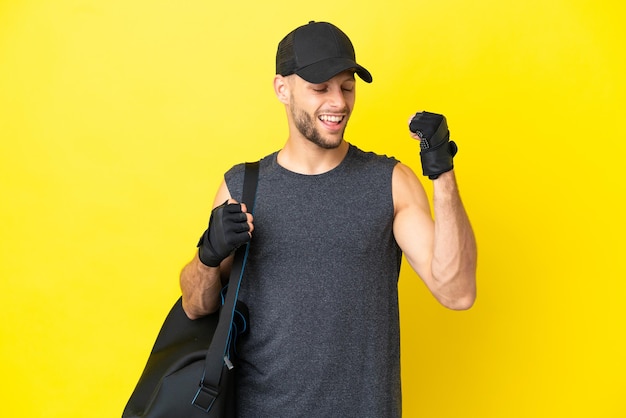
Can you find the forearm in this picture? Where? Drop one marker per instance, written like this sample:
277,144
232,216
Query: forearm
454,249
200,286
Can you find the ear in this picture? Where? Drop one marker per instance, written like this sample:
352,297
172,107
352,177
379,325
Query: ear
281,88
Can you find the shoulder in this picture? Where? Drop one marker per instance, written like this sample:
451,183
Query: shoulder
358,154
238,169
407,189
372,166
234,176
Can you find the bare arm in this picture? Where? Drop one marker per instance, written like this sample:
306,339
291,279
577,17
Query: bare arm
443,251
201,284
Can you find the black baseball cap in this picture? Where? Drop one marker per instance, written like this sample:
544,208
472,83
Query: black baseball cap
317,52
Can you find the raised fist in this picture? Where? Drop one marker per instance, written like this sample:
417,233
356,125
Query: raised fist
437,151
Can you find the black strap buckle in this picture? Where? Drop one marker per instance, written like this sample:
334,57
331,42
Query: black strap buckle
205,397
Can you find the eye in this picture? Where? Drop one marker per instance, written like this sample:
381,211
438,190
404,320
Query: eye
348,87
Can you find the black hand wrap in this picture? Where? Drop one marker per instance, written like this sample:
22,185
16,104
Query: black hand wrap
228,229
437,150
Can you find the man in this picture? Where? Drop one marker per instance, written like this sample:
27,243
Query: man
330,225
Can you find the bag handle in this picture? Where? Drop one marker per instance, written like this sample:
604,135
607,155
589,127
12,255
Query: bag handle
217,355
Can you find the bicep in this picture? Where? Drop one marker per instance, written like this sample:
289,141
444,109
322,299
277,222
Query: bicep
413,225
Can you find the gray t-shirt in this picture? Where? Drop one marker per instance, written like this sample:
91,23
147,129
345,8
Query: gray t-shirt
321,286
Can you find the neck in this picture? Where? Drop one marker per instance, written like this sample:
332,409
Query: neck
310,159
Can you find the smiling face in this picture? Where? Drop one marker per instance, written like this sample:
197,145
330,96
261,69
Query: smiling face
320,112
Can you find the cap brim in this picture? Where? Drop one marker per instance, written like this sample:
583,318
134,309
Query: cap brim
325,70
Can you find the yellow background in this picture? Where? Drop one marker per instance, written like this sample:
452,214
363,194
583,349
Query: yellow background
118,118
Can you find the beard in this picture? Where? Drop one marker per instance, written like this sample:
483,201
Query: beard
305,123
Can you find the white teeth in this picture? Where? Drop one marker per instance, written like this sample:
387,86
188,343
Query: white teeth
329,118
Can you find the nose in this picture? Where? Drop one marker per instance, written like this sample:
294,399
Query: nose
337,98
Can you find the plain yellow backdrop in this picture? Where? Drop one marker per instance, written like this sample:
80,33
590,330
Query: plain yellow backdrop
118,119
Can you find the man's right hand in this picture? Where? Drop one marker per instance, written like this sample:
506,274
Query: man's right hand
230,227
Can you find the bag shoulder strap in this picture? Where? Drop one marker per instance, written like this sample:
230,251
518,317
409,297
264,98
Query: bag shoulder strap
217,355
